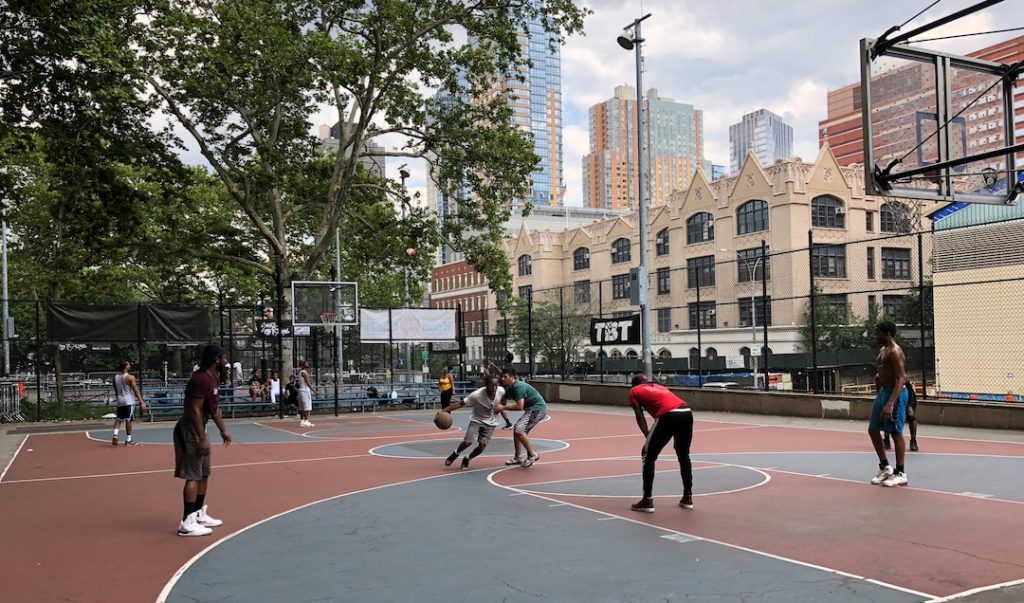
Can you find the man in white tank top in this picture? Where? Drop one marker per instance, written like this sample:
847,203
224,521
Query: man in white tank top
306,392
127,394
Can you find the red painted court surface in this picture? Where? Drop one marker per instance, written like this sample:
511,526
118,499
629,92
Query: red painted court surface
84,521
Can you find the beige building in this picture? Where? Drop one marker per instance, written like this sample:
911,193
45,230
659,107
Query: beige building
695,238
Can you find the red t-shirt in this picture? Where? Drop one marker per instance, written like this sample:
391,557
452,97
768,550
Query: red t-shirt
655,399
204,385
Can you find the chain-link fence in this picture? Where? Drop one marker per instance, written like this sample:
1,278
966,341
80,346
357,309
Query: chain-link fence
800,319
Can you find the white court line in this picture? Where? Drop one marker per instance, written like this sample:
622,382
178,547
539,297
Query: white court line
580,479
162,597
490,478
374,450
13,456
152,471
975,591
635,434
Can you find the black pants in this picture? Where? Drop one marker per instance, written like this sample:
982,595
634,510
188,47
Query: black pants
446,397
678,427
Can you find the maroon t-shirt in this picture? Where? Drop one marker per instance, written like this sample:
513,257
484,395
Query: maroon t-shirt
204,385
655,399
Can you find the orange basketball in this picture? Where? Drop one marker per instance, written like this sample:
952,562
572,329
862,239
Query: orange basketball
443,419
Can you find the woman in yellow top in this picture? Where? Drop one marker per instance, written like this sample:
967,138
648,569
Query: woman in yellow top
447,387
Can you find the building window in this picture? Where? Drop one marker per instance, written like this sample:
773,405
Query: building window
664,281
620,286
752,216
871,263
869,221
661,242
829,261
700,228
525,265
892,307
895,263
526,292
700,272
750,260
581,258
894,218
827,212
621,251
664,320
712,353
694,357
664,354
762,312
581,292
872,304
705,316
836,305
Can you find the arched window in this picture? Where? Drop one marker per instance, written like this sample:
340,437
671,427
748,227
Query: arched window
525,265
699,228
894,218
616,355
694,357
744,351
752,216
765,351
827,212
664,354
711,353
661,242
631,354
621,249
581,259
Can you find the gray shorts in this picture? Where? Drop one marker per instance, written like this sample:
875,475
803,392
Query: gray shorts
478,432
305,399
530,419
188,463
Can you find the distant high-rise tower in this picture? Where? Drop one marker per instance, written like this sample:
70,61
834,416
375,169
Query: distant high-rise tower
763,132
676,142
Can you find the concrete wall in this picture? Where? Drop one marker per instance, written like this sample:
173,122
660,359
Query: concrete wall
987,416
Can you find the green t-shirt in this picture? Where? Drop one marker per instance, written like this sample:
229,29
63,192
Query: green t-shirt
521,390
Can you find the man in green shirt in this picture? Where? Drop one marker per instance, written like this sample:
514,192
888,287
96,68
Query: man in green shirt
521,395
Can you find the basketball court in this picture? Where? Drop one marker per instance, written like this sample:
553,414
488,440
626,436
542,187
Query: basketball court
361,508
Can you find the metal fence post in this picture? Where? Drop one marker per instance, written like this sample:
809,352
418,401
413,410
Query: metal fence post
700,356
39,364
561,329
600,314
529,327
921,314
765,306
813,377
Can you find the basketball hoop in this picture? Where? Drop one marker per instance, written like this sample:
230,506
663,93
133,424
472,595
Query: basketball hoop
327,318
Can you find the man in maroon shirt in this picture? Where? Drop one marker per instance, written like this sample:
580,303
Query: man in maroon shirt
672,420
191,446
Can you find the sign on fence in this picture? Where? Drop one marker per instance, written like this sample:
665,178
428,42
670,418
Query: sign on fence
622,329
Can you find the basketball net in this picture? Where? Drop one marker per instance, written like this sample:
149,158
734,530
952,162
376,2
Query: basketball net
326,317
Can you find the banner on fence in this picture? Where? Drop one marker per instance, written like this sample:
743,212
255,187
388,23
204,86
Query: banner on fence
407,324
69,322
621,329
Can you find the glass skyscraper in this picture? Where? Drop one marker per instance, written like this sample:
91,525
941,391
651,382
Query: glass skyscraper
762,132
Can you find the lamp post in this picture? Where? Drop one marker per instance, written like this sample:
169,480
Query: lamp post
630,39
751,271
403,173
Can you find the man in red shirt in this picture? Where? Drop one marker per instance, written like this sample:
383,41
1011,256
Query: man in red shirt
191,446
673,420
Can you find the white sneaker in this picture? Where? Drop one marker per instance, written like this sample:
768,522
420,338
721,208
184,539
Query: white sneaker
304,423
205,520
530,460
310,424
190,527
514,461
897,479
882,475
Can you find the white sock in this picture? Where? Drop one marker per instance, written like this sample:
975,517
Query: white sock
129,439
116,432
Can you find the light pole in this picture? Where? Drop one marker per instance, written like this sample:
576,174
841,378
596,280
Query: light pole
751,271
403,173
630,39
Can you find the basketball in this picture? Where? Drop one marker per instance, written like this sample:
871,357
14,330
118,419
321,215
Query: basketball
410,251
443,419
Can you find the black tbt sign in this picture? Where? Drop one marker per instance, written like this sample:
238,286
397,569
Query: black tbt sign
621,329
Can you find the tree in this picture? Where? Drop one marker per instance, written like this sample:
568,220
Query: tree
560,331
837,328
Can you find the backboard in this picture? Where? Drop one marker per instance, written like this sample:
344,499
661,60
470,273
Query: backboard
324,303
939,126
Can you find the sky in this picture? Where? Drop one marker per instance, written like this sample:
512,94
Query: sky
728,58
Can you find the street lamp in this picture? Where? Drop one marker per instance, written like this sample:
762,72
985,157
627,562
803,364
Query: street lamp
403,173
630,39
751,271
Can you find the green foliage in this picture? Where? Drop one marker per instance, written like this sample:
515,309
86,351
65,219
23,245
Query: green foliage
559,332
838,329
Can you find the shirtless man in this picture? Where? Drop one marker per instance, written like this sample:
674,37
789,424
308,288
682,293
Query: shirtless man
890,408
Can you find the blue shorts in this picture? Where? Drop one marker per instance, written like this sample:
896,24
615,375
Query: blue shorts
899,412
